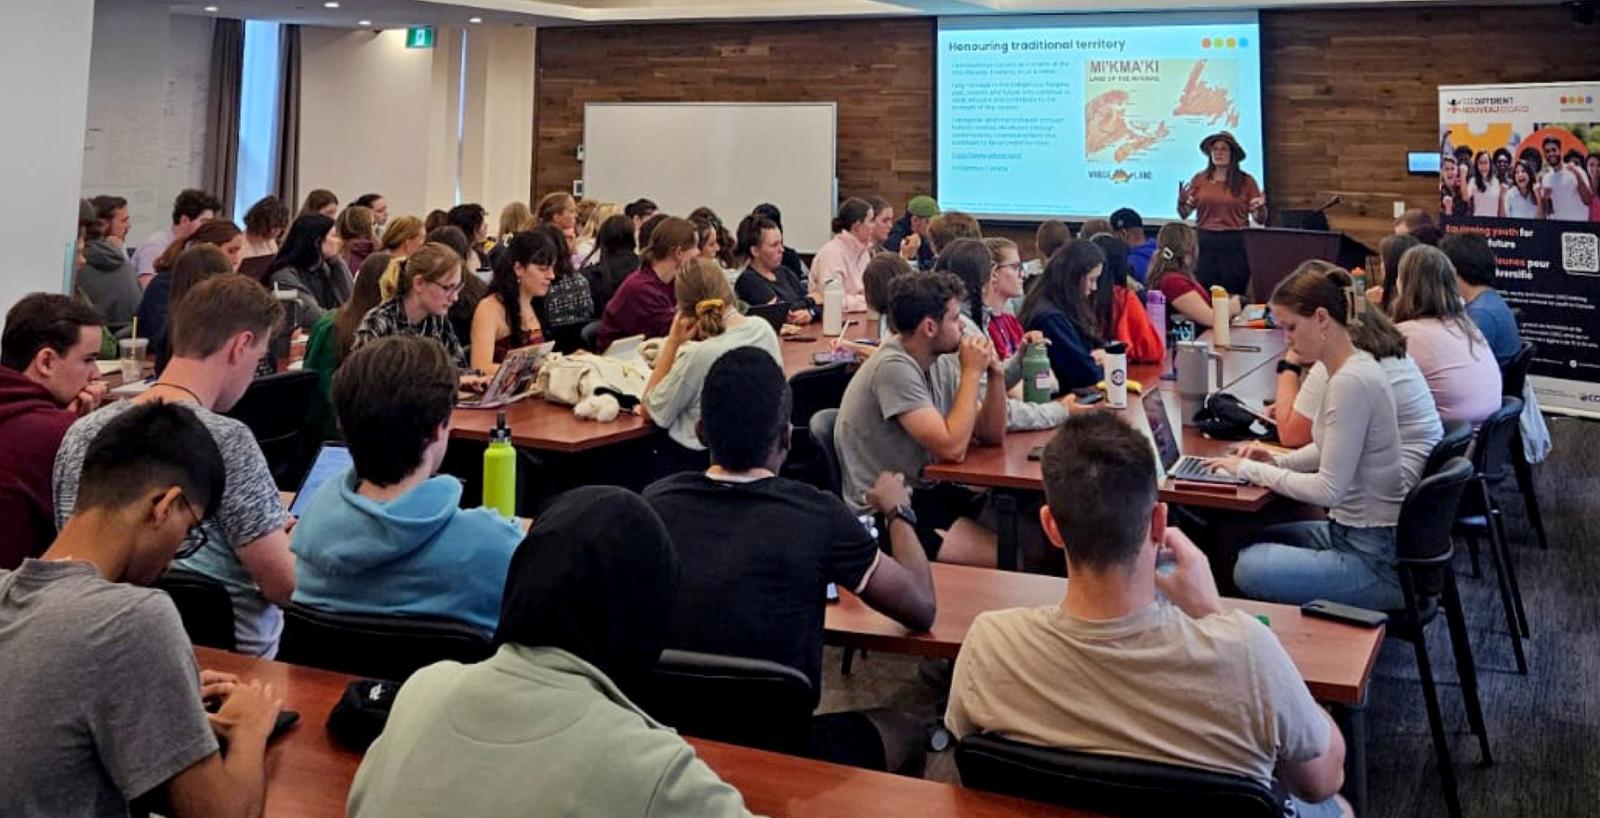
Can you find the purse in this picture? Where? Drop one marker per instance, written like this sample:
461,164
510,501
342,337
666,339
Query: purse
361,713
1225,417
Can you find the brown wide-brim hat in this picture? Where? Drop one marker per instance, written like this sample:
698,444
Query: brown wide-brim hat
1238,150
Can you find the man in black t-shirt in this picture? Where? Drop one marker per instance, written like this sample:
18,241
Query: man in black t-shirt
756,551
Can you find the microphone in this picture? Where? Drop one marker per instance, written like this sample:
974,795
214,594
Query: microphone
1330,203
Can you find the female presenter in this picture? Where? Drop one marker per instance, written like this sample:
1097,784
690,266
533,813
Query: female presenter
1224,198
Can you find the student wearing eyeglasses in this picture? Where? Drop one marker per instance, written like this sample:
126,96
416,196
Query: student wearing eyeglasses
425,286
220,331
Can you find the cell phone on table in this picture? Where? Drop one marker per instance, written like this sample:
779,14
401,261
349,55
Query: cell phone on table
799,338
820,358
832,592
1090,398
1348,614
286,719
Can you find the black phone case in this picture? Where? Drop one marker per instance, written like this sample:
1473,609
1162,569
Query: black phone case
1325,609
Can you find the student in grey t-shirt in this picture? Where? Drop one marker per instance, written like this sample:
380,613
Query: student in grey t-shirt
102,696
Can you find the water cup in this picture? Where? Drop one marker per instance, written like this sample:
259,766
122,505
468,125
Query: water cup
130,356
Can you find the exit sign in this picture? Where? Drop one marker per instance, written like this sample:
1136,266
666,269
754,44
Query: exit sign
419,37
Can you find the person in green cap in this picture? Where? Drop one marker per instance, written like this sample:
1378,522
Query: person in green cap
909,237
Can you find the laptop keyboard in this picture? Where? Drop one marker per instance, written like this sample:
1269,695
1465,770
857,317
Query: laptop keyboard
1195,469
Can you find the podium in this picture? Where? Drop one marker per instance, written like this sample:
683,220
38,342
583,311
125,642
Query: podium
1254,260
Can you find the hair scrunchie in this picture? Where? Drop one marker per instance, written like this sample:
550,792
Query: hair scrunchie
709,306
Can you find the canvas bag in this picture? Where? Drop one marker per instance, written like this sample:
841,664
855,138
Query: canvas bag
569,379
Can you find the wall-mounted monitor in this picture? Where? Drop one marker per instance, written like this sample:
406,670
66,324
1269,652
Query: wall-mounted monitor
1422,163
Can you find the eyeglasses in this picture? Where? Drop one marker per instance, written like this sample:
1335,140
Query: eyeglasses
450,290
196,539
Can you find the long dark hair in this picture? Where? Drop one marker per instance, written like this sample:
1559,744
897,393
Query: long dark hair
302,247
366,294
614,238
1236,174
970,261
1112,276
1061,287
1477,175
526,247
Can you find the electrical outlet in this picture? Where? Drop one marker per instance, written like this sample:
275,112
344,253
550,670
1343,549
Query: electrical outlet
1399,209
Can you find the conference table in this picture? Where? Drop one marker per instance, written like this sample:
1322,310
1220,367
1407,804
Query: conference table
309,775
1336,660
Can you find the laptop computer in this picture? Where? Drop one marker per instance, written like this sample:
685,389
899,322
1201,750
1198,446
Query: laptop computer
514,380
775,314
1174,463
332,459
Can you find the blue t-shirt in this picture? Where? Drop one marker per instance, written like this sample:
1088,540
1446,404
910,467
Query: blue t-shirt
1498,325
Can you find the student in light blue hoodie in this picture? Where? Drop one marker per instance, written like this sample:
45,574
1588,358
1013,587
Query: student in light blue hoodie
388,536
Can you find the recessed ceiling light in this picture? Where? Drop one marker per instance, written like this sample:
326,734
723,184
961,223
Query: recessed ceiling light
364,22
330,5
474,20
212,9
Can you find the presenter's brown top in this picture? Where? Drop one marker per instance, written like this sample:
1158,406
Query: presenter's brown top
1216,208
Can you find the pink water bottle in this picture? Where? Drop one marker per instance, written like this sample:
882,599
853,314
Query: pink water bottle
1155,305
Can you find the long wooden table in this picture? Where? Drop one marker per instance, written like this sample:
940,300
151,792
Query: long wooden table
309,775
1335,659
1007,466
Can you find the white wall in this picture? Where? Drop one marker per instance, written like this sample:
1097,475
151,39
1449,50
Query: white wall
45,95
376,116
149,77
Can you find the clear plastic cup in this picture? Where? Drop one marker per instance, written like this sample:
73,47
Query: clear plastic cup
130,355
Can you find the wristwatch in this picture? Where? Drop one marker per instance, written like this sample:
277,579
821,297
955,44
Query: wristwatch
1285,366
904,512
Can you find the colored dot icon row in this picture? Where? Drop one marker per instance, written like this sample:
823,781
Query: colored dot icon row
1225,42
1581,99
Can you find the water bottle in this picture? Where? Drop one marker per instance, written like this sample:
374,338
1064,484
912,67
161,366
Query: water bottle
1115,365
832,306
1155,305
500,470
1038,382
1359,276
1221,316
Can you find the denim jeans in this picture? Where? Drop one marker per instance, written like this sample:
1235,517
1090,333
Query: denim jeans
1299,562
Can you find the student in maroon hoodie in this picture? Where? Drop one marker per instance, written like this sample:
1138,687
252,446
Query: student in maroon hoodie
48,378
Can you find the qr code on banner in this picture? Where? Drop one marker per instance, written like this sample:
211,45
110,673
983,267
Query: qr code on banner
1580,252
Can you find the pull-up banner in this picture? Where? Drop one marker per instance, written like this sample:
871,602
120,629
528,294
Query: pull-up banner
1520,165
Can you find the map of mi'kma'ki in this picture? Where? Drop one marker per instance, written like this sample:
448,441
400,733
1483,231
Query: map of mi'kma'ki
1137,105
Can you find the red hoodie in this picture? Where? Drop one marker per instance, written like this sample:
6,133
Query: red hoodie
31,427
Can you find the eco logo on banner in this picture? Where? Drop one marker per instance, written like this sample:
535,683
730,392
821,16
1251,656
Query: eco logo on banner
1520,165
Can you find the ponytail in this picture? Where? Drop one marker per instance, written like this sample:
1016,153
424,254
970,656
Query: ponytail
851,212
704,294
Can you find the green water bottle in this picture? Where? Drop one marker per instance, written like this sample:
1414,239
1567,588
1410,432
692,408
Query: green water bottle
500,470
1037,383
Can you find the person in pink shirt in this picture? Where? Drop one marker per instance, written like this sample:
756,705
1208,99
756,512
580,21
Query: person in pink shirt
1455,360
845,256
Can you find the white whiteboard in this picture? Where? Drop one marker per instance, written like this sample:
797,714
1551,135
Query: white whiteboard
728,156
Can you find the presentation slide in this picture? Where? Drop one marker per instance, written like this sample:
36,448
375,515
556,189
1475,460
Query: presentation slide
1074,116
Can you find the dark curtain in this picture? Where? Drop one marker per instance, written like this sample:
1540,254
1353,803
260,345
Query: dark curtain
288,170
220,171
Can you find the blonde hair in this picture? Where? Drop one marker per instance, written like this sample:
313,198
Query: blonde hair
1428,289
997,245
1177,248
704,294
433,262
514,218
356,222
400,230
554,203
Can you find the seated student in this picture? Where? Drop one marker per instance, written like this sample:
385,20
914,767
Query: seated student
645,303
425,286
1172,274
1117,311
103,700
358,238
1412,220
523,271
473,222
156,303
264,224
909,236
194,265
190,209
308,264
48,378
1003,289
640,211
845,256
713,239
892,419
567,304
1390,249
949,226
1127,225
1060,308
1122,670
1351,467
791,258
1301,390
330,340
707,327
107,279
1449,349
321,202
546,725
765,280
615,258
884,268
219,333
1052,235
1474,265
403,236
1094,227
388,535
762,597
473,286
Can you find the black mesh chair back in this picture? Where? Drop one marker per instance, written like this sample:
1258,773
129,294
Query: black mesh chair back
816,389
1422,538
750,702
1109,784
278,410
822,424
1514,374
1455,443
204,606
378,646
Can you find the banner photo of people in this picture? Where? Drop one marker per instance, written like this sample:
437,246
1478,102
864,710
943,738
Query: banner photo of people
1520,165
